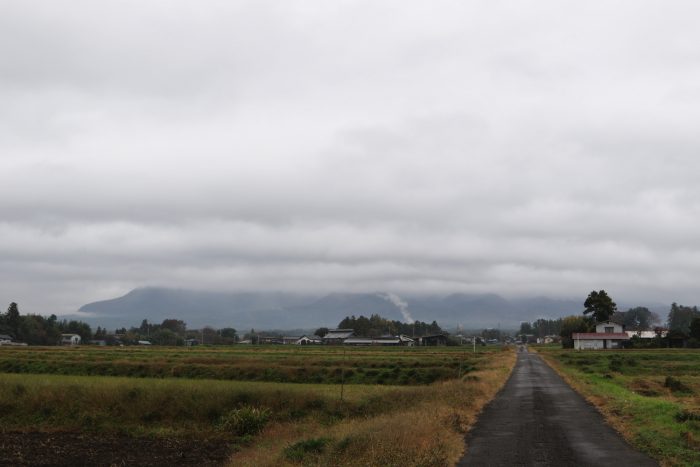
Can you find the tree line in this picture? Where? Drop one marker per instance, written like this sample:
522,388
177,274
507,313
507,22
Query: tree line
376,326
40,330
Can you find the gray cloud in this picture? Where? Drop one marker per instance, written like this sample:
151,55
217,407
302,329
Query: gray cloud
520,147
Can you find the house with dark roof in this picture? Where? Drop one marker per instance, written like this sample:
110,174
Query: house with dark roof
337,336
607,335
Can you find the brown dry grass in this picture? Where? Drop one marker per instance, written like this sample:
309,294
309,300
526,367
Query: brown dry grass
428,433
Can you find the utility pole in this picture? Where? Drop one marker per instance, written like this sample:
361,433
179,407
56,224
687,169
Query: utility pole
342,375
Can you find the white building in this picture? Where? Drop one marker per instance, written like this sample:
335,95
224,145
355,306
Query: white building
645,334
306,340
70,339
607,335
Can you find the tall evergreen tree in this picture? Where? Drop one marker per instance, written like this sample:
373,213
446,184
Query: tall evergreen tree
600,306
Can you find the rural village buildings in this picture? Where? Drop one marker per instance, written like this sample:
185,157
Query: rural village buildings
348,337
607,335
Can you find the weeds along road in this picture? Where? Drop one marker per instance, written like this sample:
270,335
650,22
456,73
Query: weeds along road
538,420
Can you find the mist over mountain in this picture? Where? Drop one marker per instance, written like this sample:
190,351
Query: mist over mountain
279,310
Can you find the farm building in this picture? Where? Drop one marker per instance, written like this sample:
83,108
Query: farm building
70,339
385,340
306,340
607,335
432,340
337,336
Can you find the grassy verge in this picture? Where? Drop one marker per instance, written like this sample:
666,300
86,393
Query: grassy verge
652,397
428,430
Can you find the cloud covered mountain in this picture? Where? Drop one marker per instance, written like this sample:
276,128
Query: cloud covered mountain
277,310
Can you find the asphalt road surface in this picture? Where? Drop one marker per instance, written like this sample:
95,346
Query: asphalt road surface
538,420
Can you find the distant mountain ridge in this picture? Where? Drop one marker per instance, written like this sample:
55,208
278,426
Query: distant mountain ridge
281,310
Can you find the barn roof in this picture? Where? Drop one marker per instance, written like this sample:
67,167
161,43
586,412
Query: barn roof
370,341
339,334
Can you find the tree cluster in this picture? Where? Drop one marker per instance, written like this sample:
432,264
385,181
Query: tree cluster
542,327
175,332
40,330
376,326
636,319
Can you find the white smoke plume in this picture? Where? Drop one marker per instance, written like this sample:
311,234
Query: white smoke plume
400,304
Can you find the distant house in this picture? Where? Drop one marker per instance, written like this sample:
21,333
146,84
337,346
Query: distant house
286,340
548,339
306,340
432,340
5,339
70,339
337,336
607,335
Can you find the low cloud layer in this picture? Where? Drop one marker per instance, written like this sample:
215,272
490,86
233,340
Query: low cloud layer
526,148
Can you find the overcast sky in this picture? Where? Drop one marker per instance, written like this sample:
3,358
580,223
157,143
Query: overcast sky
518,147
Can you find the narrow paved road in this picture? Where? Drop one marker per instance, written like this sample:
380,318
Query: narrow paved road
538,420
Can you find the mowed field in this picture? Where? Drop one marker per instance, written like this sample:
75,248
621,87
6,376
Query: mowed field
651,396
262,405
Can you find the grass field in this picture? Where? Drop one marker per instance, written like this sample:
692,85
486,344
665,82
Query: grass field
651,396
294,364
396,398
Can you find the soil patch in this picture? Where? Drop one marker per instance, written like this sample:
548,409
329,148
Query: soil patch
63,449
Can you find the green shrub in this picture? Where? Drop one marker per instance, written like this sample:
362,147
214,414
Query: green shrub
245,421
676,385
685,415
298,451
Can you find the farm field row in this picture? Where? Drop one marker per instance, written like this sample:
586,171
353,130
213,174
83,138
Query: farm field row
256,422
296,364
651,396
